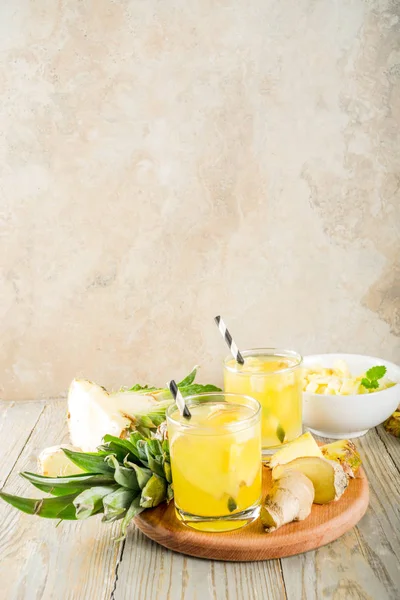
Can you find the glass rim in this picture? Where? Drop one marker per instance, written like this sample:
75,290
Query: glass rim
278,352
252,403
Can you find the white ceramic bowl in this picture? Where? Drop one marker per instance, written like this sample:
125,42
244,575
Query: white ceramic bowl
349,416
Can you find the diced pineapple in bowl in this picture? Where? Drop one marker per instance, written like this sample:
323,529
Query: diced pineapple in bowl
344,395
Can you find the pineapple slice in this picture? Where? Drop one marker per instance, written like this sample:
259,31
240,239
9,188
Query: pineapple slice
52,462
305,445
345,453
327,476
93,412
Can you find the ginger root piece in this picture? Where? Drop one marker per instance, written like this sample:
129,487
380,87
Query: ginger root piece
345,453
392,424
327,476
305,445
290,499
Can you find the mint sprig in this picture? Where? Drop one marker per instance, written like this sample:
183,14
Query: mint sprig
372,376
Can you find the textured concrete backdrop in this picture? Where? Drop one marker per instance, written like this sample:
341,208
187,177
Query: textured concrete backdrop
164,161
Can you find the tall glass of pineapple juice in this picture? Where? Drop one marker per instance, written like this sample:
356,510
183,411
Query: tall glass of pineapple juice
273,377
216,461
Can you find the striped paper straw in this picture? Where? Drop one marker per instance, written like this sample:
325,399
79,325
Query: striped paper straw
183,409
229,340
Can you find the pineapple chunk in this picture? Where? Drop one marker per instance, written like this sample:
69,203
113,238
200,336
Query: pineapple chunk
345,453
342,368
52,462
327,476
312,387
305,445
349,386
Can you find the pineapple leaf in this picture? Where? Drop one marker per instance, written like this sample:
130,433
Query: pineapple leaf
142,474
131,513
167,471
141,388
90,501
124,476
155,447
188,380
120,489
141,448
170,493
146,388
53,485
54,491
165,447
117,503
49,508
92,462
125,446
155,463
154,492
198,388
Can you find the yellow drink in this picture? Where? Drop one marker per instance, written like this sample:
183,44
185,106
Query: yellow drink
272,377
216,461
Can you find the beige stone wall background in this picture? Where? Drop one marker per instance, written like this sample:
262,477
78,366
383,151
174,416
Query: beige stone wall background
165,161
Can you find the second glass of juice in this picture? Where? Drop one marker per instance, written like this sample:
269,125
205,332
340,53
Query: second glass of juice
273,377
216,461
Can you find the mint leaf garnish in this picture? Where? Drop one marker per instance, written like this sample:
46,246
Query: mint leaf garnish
280,432
231,504
376,372
370,381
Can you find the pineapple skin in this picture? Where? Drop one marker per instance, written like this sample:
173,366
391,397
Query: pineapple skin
345,453
392,424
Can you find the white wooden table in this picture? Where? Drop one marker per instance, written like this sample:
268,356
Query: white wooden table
79,559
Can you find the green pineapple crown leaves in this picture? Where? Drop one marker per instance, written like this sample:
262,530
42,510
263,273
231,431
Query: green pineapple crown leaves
147,423
120,480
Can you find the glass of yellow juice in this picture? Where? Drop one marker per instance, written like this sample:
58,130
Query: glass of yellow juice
216,461
273,377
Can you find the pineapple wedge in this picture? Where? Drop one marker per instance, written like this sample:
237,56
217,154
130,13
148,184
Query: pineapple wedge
93,412
305,445
52,462
345,453
392,424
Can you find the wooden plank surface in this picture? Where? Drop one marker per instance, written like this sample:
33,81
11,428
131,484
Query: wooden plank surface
149,572
38,560
17,420
80,561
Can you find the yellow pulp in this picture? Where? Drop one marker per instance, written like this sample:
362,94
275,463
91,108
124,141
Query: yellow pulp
216,461
278,391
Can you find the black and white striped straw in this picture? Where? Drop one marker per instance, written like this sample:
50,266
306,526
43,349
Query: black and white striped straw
183,409
229,340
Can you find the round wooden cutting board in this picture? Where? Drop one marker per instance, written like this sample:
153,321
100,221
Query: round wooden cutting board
325,524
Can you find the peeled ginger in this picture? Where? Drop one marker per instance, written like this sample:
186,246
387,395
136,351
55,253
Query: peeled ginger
290,499
327,476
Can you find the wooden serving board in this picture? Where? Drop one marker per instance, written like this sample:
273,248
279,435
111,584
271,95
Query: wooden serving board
325,524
